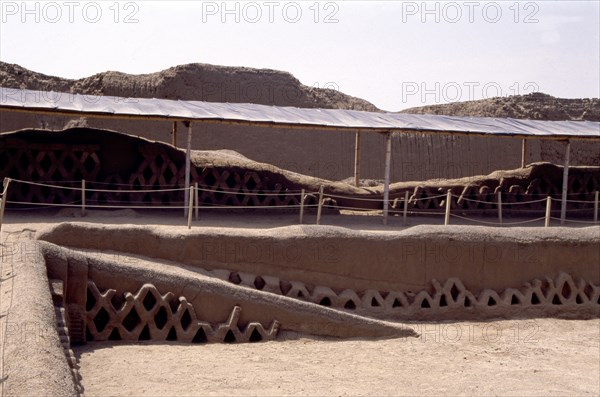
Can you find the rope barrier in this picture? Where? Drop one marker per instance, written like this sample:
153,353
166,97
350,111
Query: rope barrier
477,201
207,188
209,206
343,207
45,185
128,184
426,198
114,184
355,198
421,212
97,206
589,209
285,193
135,191
118,191
524,202
73,204
47,205
498,223
97,190
575,221
577,201
129,204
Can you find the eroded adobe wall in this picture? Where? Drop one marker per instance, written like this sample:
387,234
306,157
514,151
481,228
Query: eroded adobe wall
141,299
339,258
430,275
330,155
116,166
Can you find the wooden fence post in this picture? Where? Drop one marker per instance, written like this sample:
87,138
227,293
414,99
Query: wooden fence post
83,197
548,209
190,206
196,199
301,206
320,208
596,207
3,200
405,208
448,204
500,206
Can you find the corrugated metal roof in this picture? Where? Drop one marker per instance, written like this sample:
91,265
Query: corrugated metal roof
253,114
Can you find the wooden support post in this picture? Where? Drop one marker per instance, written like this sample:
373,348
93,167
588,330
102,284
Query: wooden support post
563,202
174,134
320,208
3,201
357,159
191,204
386,186
548,209
83,197
301,207
500,206
448,204
188,151
523,153
405,208
196,199
596,207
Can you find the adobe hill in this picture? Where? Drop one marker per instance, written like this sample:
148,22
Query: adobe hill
213,83
196,81
535,106
327,155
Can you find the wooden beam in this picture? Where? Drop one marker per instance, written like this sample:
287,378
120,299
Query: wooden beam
386,183
523,152
563,201
357,159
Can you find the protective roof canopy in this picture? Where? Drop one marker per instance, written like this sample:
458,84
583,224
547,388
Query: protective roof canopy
253,114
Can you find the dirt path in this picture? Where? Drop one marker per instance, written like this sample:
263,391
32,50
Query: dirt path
516,357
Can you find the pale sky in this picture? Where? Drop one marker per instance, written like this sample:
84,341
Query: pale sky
395,54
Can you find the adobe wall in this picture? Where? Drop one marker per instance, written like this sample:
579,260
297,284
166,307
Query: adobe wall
116,284
330,155
408,260
34,362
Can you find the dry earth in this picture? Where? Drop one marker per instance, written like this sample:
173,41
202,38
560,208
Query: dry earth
537,357
506,357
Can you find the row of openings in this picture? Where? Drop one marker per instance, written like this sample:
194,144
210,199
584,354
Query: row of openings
285,287
199,337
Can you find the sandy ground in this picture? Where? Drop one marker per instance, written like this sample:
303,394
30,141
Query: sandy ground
517,357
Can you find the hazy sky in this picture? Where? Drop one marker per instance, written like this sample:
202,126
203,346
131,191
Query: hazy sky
396,54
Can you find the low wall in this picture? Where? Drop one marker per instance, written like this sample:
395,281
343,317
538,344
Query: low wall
118,287
406,261
34,362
